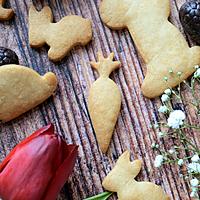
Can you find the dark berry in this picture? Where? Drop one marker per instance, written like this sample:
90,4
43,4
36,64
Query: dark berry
7,56
190,18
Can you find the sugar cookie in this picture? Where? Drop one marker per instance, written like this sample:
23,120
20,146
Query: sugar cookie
104,101
160,43
5,14
121,180
21,89
61,36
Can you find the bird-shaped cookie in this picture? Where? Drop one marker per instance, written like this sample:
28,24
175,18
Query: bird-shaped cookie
104,101
21,89
121,180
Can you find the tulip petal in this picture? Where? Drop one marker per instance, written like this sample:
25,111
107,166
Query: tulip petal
38,167
40,131
63,172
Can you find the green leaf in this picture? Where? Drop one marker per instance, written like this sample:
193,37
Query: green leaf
102,196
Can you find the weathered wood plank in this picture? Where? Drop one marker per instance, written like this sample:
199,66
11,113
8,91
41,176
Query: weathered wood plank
68,108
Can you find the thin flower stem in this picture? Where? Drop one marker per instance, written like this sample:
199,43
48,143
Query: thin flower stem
170,162
188,85
196,104
176,95
185,141
198,80
179,90
191,126
185,148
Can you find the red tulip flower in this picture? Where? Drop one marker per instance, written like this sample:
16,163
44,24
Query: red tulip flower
38,167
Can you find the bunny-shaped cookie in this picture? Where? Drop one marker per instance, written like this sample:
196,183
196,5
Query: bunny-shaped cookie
121,180
104,101
61,36
160,43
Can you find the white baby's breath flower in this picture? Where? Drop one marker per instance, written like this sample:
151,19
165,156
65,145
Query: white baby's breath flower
186,177
194,182
156,125
164,98
194,167
195,158
172,151
196,66
159,161
194,189
180,162
163,109
168,92
175,119
165,78
161,134
181,175
179,73
194,194
154,146
197,73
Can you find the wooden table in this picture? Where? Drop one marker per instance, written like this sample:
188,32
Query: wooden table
68,110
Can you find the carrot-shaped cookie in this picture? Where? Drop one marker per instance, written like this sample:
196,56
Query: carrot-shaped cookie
121,180
104,100
5,14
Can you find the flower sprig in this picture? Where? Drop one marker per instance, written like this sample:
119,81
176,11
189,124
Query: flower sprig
174,126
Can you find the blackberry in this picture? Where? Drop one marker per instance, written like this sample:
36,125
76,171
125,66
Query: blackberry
190,18
7,56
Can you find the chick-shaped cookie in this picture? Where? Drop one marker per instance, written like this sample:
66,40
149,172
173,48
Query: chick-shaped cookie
104,101
62,36
5,14
162,46
21,89
121,180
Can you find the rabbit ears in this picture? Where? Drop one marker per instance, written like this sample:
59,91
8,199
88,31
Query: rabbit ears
113,12
130,167
123,172
44,15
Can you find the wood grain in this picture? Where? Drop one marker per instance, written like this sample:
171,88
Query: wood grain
68,110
